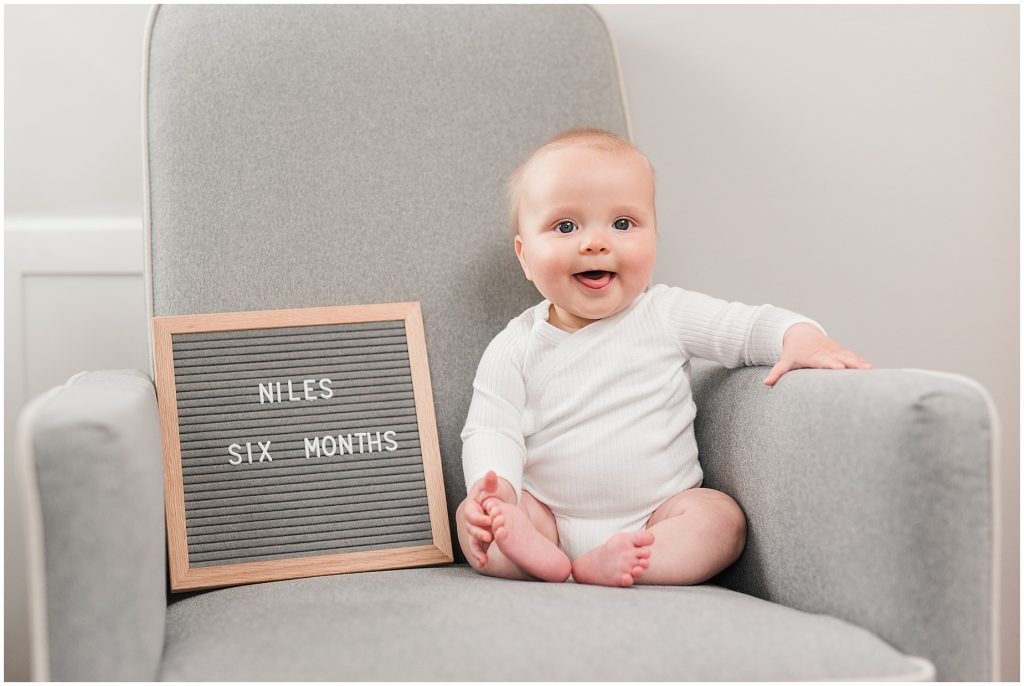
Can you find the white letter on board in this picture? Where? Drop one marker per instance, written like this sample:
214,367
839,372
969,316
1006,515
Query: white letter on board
334,445
292,396
307,389
268,391
344,443
238,455
328,393
370,442
311,445
266,451
389,436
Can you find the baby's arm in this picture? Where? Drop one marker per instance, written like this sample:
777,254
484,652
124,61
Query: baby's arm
806,346
493,441
735,334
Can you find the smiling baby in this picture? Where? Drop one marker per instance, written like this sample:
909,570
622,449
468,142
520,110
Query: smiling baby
578,450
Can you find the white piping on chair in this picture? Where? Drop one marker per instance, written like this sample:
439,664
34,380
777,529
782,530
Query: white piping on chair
147,226
618,71
925,671
35,548
997,528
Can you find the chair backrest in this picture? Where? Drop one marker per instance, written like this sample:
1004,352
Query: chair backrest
303,156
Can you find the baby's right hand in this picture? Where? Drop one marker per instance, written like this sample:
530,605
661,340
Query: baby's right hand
478,522
492,486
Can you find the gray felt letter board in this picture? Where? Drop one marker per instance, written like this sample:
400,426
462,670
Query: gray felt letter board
298,443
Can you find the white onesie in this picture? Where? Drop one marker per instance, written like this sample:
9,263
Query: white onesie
598,424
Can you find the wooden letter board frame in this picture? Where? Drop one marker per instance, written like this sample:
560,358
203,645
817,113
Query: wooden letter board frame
185,577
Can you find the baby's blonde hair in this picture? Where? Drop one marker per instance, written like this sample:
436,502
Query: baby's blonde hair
591,137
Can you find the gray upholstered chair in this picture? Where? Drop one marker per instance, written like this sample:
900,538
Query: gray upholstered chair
326,155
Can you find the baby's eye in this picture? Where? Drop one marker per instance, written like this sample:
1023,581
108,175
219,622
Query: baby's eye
623,224
565,227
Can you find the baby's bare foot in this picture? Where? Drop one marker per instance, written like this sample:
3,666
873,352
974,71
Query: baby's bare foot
519,541
619,562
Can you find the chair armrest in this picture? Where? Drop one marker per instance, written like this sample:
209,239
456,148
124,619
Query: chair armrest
91,467
869,497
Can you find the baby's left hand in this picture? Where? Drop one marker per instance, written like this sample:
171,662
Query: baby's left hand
805,346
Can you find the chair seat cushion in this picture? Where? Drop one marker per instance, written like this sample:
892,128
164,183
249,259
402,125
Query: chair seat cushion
450,623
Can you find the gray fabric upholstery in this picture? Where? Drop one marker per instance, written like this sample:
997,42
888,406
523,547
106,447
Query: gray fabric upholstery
96,451
868,497
453,624
306,156
892,532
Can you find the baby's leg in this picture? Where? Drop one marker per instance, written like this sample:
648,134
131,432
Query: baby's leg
526,536
619,561
527,532
697,534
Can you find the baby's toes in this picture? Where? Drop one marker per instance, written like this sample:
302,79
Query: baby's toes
643,538
637,568
637,564
500,531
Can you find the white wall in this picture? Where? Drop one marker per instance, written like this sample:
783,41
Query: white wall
856,164
73,129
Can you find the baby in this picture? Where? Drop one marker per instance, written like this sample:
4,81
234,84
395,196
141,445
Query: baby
578,450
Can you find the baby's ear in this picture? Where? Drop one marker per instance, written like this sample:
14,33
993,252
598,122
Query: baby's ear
522,260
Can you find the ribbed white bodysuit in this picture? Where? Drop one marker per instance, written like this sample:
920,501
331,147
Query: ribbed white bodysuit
598,424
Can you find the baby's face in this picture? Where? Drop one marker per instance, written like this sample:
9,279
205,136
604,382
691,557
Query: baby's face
586,231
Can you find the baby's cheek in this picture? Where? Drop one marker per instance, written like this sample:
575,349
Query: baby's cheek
553,268
641,262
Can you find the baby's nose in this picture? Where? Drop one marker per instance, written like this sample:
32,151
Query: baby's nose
594,244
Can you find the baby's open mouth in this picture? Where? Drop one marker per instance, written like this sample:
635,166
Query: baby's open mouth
595,279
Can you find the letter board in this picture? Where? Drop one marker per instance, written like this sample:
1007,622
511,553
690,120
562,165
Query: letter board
298,443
